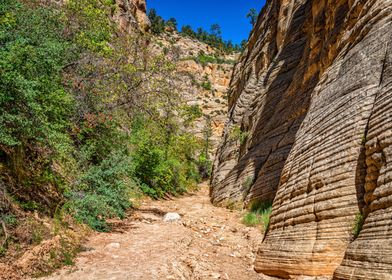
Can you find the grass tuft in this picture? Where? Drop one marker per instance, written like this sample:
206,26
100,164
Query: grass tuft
259,213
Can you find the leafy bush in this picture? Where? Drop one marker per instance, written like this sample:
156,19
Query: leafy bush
163,160
157,22
35,107
104,191
358,224
236,134
204,166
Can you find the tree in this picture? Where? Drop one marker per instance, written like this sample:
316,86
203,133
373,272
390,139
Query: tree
216,30
187,30
172,22
252,16
157,22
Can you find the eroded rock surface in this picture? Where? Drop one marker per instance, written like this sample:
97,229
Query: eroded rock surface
132,15
311,97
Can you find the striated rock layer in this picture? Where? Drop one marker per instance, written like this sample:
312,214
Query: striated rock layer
312,99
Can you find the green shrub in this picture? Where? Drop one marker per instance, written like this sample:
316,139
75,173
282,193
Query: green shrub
35,107
9,219
259,213
102,192
265,218
191,113
163,159
358,224
204,166
206,85
236,134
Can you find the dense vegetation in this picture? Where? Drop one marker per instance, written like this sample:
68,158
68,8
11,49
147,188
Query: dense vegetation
89,118
212,38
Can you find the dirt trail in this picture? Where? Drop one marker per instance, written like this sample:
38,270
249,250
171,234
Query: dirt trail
208,243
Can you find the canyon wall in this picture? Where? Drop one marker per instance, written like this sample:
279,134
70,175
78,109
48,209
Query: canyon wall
311,98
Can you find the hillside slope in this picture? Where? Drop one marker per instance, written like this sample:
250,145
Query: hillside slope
311,98
205,74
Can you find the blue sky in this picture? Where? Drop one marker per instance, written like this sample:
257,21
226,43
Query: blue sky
229,14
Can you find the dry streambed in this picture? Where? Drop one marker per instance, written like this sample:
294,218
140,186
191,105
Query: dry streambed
207,243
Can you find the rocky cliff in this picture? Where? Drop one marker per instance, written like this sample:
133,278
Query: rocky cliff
310,129
131,15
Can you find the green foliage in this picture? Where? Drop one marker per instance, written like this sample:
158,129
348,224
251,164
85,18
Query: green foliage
212,38
89,113
94,29
205,166
9,219
172,22
259,213
35,106
204,163
206,85
204,59
236,134
252,16
358,224
157,22
3,251
163,158
191,113
251,219
102,192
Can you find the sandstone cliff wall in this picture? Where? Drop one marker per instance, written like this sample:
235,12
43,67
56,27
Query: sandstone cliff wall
312,98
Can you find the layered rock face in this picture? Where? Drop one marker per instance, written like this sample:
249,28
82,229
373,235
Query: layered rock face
312,99
132,15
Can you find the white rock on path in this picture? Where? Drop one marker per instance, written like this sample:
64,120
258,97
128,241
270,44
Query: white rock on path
171,217
113,246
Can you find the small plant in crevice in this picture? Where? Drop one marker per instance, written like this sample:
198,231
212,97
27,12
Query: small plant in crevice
236,134
206,85
247,184
259,213
358,224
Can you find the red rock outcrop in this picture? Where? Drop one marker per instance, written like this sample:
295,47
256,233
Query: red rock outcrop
311,97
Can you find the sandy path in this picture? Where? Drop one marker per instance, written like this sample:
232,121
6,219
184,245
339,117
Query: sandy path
208,243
